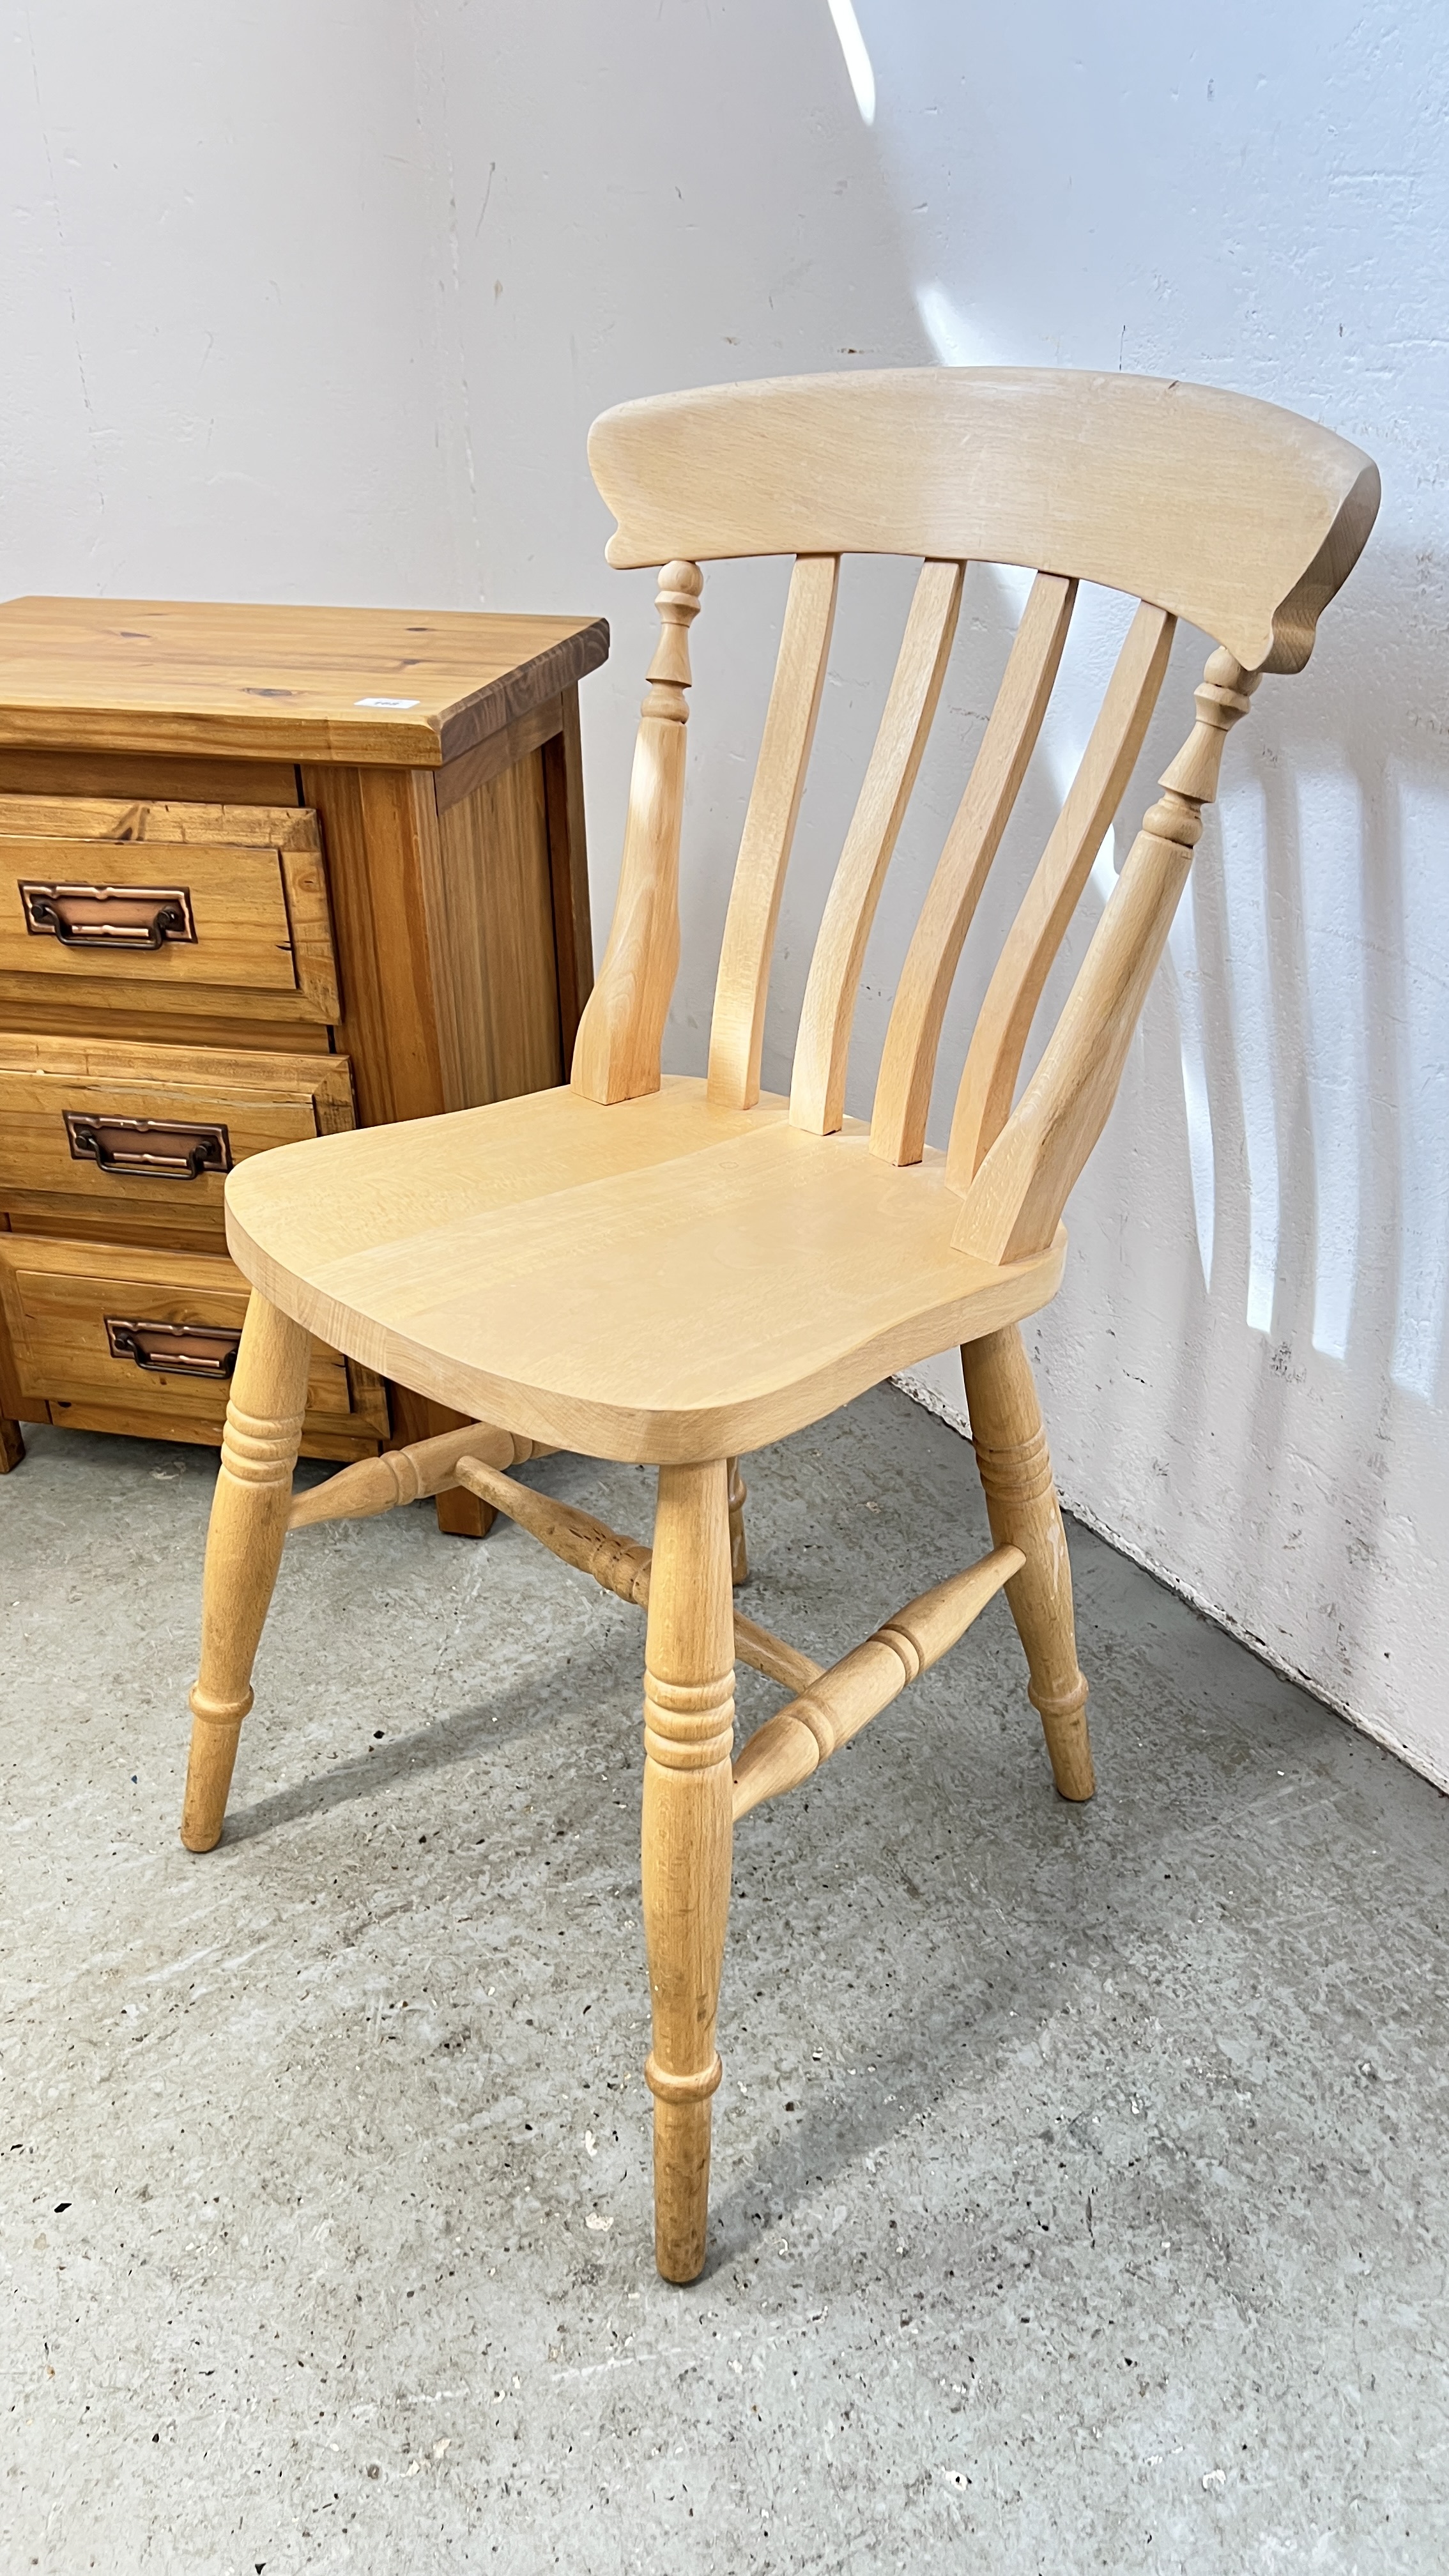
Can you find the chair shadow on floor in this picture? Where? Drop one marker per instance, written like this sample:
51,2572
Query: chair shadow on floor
518,1710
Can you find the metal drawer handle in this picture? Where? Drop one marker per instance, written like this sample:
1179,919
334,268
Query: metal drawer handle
153,1149
174,1350
106,916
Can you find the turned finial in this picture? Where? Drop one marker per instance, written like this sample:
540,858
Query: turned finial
1221,697
669,674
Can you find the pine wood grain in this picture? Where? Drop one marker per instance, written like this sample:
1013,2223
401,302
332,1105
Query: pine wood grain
492,933
147,775
568,858
183,678
125,1014
259,1100
497,751
57,1293
380,832
252,876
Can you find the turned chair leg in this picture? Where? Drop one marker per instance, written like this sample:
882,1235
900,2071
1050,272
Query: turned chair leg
243,1550
688,1737
739,1495
1021,1502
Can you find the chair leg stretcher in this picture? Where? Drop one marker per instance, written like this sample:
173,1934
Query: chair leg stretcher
787,1748
831,1706
621,1565
410,1475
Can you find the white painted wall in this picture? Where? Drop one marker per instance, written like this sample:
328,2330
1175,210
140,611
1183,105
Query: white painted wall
318,301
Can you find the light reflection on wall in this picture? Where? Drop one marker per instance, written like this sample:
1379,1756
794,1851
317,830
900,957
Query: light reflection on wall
857,60
1241,823
1330,845
1423,1086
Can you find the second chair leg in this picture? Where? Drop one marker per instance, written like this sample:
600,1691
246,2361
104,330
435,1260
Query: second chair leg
243,1550
1021,1503
688,1831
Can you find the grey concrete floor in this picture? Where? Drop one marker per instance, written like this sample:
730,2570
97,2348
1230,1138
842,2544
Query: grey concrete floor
1081,2189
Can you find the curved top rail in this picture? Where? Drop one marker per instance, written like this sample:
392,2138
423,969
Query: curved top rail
1236,515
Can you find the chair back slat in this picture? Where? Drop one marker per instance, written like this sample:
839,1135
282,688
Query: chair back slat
817,1094
998,1041
1013,1206
737,1031
903,1092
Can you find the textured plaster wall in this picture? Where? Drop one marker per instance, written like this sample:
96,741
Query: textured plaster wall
320,302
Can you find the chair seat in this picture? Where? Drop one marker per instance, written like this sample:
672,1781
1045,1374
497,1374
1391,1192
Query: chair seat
661,1280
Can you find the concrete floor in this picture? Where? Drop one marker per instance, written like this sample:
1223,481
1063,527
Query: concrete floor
1081,2175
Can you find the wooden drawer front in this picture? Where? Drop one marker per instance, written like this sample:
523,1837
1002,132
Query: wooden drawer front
224,897
111,1128
73,1308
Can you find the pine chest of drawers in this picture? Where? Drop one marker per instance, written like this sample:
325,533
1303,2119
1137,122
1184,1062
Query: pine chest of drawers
264,873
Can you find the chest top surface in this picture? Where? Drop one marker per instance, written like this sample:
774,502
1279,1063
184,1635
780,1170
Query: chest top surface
392,687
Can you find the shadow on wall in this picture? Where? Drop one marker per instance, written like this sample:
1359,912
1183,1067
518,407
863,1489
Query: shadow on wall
1323,907
1287,1109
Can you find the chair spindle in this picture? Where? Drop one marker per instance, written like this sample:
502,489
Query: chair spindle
617,1051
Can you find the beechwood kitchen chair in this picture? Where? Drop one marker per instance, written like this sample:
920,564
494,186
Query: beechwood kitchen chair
676,1271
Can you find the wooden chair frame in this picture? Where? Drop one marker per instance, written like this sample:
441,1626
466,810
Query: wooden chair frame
1230,513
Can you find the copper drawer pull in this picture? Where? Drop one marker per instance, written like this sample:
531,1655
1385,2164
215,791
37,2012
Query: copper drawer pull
103,916
152,1149
174,1350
